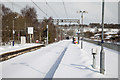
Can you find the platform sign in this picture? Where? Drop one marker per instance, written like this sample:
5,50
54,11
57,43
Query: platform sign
30,30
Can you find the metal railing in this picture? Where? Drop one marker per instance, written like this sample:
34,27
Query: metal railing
113,46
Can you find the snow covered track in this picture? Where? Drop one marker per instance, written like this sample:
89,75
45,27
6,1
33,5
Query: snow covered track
9,55
35,64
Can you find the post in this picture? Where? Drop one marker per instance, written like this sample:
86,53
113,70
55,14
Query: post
94,52
30,38
102,53
82,32
47,34
56,34
60,34
78,38
25,30
78,30
13,32
18,36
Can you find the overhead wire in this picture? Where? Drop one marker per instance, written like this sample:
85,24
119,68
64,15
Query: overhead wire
51,9
65,9
40,8
15,4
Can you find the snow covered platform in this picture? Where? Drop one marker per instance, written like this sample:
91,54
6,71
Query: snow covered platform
77,63
9,48
60,60
35,64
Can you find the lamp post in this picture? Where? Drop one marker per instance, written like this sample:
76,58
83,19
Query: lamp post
13,31
25,28
102,53
78,28
47,34
14,28
82,28
63,33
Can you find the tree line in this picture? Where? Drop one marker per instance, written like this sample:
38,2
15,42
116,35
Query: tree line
21,21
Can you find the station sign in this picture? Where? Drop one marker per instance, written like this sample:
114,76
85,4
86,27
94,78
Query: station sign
30,30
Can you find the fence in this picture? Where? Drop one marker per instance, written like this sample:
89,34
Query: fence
108,45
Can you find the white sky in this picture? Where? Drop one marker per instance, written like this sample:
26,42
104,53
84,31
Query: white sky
93,7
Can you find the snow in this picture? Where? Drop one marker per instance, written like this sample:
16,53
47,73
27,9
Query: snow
61,60
9,48
68,23
97,34
111,33
77,63
34,64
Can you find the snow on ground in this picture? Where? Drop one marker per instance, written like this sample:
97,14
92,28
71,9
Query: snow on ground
77,63
9,48
35,64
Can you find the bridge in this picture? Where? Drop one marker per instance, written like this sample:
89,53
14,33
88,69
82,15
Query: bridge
63,20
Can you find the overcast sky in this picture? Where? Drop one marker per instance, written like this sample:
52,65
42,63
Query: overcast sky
72,6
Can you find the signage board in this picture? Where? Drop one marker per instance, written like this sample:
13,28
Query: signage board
30,30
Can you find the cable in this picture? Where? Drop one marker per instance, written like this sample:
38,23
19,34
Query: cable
51,9
14,4
65,9
40,8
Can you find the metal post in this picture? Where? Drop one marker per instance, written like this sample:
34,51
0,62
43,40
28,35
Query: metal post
60,35
13,32
25,24
18,36
78,30
30,38
102,53
47,34
56,34
82,32
78,35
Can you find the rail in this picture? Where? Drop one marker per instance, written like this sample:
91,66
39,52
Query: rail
9,55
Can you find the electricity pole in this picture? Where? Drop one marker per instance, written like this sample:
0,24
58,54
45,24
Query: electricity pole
82,27
78,29
13,32
47,34
102,53
14,29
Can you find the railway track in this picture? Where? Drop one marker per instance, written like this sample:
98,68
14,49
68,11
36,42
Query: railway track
9,55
